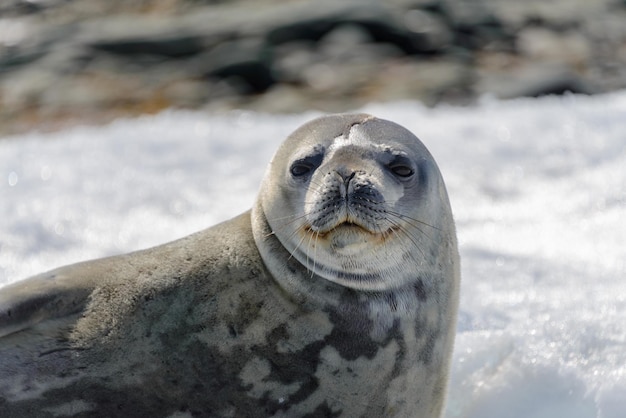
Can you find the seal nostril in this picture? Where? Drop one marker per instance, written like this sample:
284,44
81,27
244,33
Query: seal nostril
346,181
345,176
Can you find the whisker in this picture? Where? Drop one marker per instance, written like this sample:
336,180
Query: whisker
294,216
385,234
403,216
317,234
308,266
414,225
413,240
291,222
297,247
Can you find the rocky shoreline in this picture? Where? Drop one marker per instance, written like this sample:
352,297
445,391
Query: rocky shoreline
63,61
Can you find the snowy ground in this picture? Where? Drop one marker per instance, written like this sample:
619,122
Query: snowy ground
538,187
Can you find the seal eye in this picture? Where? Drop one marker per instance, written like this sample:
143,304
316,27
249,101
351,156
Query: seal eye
401,167
300,169
402,171
304,166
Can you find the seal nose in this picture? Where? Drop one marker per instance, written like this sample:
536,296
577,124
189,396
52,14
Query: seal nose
346,175
346,179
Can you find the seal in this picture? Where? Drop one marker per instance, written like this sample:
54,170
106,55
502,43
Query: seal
336,295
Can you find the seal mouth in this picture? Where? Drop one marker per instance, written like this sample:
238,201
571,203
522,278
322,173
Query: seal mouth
350,231
345,226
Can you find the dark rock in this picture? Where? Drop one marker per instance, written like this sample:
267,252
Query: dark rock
20,7
15,57
248,77
167,46
558,85
246,62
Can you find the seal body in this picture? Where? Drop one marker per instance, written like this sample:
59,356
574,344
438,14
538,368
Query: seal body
335,296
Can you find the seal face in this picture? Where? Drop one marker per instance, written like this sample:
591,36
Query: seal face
335,296
362,209
355,227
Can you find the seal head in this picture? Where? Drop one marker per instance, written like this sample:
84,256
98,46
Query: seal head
358,201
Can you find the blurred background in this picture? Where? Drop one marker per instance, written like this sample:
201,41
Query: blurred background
64,61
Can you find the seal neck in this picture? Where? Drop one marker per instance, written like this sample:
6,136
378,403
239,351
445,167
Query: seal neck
303,286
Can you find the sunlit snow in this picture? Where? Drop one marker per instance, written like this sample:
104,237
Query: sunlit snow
538,188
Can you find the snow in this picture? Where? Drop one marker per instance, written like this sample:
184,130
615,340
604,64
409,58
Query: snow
538,188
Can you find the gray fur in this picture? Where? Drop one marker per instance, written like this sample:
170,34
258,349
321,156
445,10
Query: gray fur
227,323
